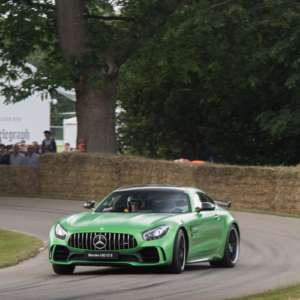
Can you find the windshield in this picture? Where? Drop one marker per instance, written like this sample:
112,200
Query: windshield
146,201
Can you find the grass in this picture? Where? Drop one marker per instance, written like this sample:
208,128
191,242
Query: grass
288,293
16,247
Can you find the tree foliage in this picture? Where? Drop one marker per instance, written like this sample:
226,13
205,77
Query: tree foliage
83,43
28,34
29,27
198,77
221,79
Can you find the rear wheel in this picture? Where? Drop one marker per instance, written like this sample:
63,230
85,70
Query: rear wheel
179,253
63,269
232,250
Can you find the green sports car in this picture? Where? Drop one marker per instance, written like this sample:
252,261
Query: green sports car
151,225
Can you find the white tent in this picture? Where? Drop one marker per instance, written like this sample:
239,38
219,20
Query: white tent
68,94
25,120
70,131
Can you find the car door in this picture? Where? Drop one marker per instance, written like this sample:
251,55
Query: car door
204,229
200,237
216,229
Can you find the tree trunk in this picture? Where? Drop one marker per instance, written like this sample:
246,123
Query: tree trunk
95,105
71,27
95,108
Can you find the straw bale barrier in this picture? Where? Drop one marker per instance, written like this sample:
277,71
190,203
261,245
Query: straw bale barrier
91,176
19,181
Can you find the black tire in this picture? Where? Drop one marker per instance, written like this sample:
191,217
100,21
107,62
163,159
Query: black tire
179,253
63,269
231,252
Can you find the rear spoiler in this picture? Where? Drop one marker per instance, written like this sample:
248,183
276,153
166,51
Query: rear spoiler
223,204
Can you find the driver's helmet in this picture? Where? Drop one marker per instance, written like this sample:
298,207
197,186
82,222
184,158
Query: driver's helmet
133,203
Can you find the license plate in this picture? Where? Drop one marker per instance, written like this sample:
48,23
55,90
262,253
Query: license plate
103,255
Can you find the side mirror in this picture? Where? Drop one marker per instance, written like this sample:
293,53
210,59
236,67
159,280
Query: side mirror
89,204
206,206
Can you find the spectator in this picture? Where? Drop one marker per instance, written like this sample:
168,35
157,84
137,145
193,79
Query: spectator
48,144
32,158
37,148
67,147
4,155
23,147
81,146
16,158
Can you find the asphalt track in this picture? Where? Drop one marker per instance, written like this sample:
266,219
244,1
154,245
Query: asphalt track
270,257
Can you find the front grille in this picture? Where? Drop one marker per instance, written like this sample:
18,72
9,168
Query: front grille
114,241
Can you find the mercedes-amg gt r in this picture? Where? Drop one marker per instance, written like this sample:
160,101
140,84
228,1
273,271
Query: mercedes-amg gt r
151,225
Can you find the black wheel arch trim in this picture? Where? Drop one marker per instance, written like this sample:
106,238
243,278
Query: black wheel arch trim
237,227
235,224
186,238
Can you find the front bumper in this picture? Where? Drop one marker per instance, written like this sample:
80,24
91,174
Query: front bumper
148,256
147,253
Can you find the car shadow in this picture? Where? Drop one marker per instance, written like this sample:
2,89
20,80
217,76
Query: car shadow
120,270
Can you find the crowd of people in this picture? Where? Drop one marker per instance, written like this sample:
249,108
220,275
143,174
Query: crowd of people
22,154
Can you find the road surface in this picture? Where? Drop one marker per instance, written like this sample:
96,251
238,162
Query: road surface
270,257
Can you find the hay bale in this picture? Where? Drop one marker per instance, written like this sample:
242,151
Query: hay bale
92,176
19,180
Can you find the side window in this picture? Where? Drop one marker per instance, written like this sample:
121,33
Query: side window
205,198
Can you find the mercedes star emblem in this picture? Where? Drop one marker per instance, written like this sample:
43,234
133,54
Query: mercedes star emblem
99,241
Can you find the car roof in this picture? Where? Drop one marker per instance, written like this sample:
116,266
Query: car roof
158,187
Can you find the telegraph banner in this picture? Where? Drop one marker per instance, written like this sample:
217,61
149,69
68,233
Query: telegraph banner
25,120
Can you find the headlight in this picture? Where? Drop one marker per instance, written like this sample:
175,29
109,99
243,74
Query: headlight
60,232
155,233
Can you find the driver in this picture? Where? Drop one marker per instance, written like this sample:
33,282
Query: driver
133,205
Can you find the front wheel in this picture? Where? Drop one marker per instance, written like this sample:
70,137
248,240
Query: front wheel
179,253
232,250
63,269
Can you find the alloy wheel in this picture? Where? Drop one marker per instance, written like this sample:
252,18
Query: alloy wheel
182,253
233,246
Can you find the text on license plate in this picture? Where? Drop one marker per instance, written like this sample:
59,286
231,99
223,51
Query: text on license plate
103,255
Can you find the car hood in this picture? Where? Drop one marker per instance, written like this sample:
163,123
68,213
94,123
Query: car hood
115,222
